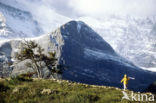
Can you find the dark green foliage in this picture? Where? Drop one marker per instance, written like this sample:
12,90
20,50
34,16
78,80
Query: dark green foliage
20,78
27,50
32,51
14,80
28,75
55,70
93,98
3,87
3,90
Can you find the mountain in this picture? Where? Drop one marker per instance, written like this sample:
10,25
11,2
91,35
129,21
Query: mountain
16,23
47,19
87,56
130,36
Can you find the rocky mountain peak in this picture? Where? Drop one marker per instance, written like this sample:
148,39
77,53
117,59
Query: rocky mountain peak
87,57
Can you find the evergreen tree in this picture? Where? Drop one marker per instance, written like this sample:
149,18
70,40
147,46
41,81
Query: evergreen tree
32,51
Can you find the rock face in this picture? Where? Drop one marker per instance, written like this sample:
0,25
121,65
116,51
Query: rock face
87,57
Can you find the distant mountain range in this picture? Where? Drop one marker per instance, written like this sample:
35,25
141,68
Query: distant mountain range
15,23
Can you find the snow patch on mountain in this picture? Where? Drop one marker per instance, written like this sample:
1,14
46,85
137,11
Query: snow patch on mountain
3,30
97,54
150,69
79,25
16,23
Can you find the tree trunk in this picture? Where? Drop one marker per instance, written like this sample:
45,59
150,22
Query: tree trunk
37,68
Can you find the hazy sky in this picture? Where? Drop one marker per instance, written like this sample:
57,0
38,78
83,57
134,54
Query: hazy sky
51,13
73,8
102,7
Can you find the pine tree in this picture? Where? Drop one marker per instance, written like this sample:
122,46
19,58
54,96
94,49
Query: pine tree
32,51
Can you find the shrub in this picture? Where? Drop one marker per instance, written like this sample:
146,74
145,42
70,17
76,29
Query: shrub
3,87
20,78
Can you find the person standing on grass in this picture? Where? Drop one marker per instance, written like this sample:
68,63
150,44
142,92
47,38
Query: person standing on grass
125,81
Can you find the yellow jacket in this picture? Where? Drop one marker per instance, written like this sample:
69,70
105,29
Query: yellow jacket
125,80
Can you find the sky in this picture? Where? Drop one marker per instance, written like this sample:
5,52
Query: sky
74,8
124,7
48,12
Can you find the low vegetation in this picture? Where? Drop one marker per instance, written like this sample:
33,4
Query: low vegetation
23,89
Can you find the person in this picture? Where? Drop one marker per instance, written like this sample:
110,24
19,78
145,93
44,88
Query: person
125,81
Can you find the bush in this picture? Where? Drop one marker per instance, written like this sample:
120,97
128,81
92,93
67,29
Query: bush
20,78
3,87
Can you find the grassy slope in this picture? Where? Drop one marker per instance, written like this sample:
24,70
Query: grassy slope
59,92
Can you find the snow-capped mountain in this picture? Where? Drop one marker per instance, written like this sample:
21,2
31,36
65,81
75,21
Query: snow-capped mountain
132,37
16,23
48,19
88,57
